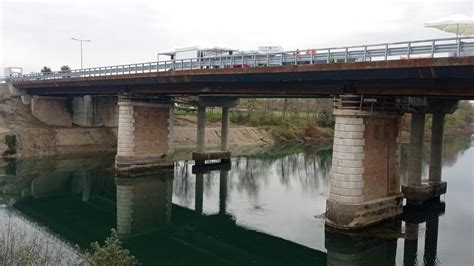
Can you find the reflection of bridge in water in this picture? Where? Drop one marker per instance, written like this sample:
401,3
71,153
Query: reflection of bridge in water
82,206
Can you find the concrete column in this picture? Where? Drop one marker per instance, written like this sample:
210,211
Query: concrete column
201,128
199,194
145,136
418,191
224,175
225,129
437,137
365,186
416,149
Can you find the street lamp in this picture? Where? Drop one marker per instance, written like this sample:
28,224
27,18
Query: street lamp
79,40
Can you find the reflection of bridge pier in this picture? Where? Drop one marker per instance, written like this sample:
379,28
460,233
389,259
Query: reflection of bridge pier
224,175
143,203
413,217
199,171
359,250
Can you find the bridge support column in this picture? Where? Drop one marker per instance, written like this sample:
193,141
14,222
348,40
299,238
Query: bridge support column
201,155
418,191
225,129
437,139
145,135
365,185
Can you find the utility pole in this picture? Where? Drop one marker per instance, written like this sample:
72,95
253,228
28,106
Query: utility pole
81,41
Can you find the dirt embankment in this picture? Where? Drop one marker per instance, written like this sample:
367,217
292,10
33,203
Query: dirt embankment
22,135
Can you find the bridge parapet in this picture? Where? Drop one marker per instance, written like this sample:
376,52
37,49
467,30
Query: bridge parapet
446,47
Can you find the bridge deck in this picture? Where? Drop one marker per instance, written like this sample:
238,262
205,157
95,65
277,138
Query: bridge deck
440,77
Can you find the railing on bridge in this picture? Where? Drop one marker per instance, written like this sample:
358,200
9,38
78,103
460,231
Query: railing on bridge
447,47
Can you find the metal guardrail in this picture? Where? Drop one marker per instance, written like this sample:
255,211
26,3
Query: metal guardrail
447,47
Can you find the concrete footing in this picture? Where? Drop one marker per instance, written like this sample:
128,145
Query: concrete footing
357,216
418,195
224,156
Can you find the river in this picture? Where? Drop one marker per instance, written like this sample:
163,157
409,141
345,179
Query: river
266,209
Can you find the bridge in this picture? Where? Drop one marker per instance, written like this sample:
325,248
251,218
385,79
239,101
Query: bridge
373,85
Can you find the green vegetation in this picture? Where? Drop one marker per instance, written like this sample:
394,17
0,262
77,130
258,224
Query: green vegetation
65,68
110,253
288,120
460,121
311,120
463,117
20,247
46,70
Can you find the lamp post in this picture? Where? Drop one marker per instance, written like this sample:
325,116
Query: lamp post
81,41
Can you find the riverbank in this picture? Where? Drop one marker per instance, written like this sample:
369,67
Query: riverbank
23,135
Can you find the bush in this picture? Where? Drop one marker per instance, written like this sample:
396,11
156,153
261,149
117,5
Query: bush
19,247
325,119
111,253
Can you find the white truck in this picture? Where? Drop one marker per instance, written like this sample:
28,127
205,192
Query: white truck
178,56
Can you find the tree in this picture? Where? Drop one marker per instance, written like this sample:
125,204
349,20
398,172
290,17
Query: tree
65,68
46,70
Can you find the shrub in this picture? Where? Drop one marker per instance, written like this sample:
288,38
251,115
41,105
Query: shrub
110,253
325,119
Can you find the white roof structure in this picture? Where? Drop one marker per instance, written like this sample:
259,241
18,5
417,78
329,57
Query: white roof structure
214,50
459,24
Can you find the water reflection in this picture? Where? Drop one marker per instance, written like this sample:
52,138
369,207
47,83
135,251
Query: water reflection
452,150
264,210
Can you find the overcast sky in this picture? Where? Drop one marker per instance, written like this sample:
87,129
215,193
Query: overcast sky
38,33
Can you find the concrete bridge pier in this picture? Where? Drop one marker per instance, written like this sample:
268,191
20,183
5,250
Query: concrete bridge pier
145,135
419,191
201,154
365,186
